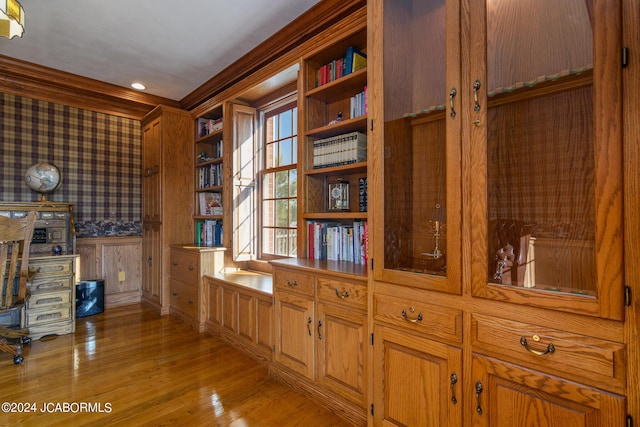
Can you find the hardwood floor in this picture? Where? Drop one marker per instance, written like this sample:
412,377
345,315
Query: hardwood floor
129,366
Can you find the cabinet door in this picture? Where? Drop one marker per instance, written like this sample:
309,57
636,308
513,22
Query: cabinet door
230,309
151,180
247,317
295,333
417,382
152,263
508,395
341,340
415,174
545,154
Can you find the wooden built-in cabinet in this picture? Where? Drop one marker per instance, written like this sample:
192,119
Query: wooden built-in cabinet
240,310
321,332
496,213
167,153
116,260
188,292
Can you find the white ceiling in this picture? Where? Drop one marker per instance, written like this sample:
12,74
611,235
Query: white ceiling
172,47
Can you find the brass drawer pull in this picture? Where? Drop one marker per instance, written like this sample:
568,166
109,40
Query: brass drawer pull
190,267
292,282
525,344
309,322
343,295
411,319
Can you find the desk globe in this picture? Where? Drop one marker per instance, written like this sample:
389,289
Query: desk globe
43,178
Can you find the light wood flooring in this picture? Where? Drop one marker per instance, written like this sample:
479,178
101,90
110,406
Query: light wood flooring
131,367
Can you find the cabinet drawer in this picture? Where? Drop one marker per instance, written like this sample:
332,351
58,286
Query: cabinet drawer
50,266
352,294
185,298
565,353
294,281
184,267
47,299
52,313
50,284
414,314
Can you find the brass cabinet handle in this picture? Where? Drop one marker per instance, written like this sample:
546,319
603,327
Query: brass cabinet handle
525,344
476,104
174,293
309,322
452,94
190,267
454,381
319,332
478,392
292,282
411,319
190,301
175,262
343,295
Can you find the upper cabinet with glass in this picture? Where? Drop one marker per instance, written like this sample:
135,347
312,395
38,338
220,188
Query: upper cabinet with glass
416,129
545,159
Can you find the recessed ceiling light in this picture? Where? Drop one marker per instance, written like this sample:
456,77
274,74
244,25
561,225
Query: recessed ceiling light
138,86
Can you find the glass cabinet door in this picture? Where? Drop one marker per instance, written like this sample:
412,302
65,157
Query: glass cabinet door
545,153
416,169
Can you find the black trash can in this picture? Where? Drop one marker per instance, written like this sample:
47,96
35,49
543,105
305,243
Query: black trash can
89,297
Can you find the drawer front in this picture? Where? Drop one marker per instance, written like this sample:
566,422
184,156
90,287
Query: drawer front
352,294
413,314
44,315
47,299
184,267
50,284
50,266
294,281
551,350
185,298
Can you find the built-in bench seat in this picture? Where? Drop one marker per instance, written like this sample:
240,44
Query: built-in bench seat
240,310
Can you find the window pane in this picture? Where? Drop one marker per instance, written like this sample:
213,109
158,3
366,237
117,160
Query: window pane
282,213
293,183
269,135
267,186
282,184
293,212
293,243
282,242
268,239
295,121
286,126
285,152
268,216
295,150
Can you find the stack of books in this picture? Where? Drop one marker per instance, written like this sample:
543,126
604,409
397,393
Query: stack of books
340,150
207,126
352,61
339,242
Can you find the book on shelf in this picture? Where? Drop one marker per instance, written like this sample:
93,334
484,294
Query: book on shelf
358,104
210,175
207,126
362,194
209,233
334,241
210,203
359,61
340,150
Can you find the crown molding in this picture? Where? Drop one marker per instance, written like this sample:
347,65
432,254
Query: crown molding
27,79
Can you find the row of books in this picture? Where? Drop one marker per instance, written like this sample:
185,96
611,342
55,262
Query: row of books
352,61
339,242
210,175
210,203
358,104
340,150
207,126
209,233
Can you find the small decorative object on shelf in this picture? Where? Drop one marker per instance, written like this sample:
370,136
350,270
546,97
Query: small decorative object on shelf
339,195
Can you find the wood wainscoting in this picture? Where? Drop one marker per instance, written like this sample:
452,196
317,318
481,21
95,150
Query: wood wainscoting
116,260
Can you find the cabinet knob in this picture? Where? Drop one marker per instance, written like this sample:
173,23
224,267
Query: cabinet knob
190,267
175,263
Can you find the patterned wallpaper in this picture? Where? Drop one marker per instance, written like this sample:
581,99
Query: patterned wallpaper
99,156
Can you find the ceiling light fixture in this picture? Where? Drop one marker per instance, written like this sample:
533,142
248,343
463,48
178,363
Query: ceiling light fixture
138,86
11,19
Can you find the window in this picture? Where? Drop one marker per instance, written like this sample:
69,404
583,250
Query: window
279,182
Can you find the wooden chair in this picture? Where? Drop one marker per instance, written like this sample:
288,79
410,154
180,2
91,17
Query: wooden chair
15,240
